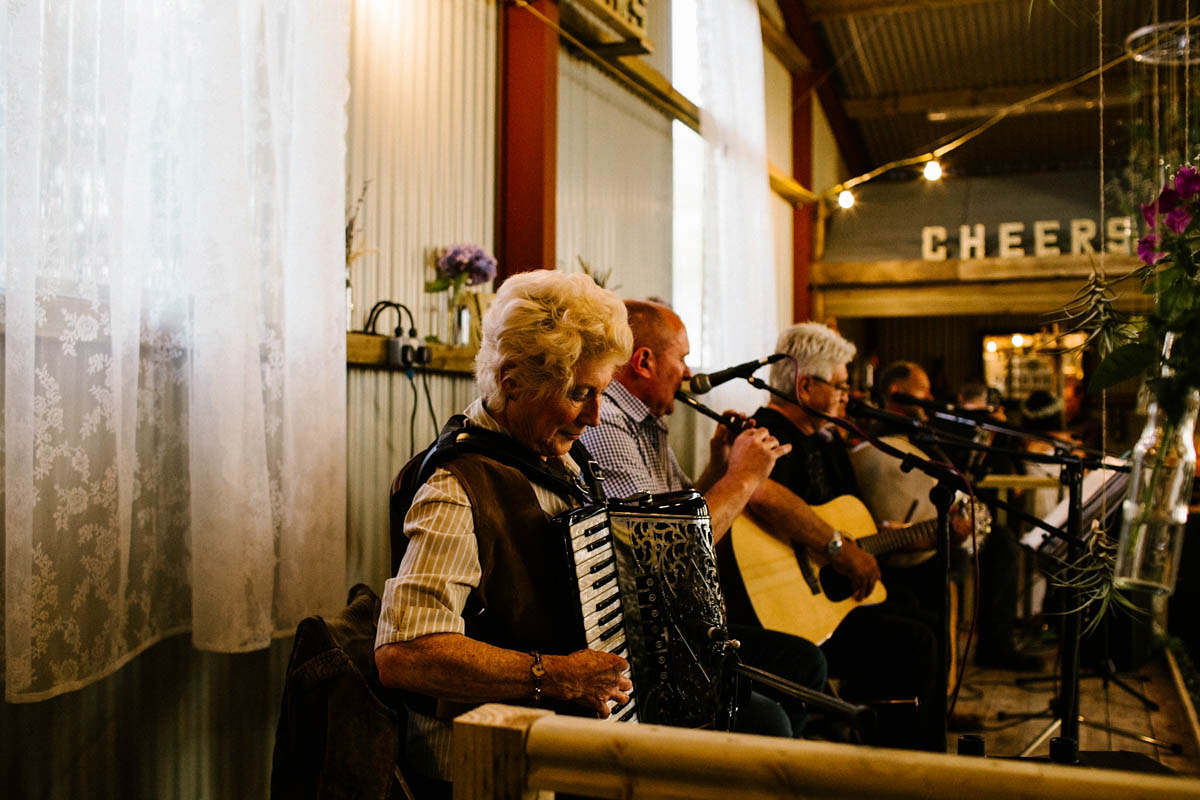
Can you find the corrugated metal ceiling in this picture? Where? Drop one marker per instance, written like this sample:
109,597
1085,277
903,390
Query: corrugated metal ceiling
894,62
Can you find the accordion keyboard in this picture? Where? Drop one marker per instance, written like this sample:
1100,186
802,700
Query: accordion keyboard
600,594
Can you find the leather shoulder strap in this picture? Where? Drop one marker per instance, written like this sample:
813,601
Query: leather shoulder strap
459,437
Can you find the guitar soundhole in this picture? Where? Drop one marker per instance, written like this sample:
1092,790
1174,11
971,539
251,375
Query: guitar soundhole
836,585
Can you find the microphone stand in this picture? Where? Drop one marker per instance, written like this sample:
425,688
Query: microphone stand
859,717
944,414
948,481
1065,747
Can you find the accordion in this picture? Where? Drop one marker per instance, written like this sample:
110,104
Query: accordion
648,591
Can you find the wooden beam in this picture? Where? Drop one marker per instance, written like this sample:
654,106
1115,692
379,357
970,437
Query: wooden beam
659,88
632,71
371,350
528,138
489,753
508,753
789,188
998,297
978,102
964,270
779,44
825,10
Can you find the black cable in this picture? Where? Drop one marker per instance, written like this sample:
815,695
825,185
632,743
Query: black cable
429,399
384,305
412,418
412,326
369,325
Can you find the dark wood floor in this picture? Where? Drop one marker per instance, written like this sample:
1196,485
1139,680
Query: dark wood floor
1014,709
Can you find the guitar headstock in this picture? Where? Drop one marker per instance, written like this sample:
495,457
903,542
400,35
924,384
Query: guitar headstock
974,513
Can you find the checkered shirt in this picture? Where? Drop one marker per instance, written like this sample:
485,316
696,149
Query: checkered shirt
631,445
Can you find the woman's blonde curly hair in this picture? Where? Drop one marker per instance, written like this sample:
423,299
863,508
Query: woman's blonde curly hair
540,325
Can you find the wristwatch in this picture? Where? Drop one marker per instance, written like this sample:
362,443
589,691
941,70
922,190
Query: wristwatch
835,545
538,672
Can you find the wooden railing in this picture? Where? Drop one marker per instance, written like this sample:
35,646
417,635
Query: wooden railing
508,752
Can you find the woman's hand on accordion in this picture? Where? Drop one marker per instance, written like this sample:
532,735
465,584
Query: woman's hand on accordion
592,678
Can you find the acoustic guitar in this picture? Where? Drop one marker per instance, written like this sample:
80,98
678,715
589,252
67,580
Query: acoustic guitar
794,591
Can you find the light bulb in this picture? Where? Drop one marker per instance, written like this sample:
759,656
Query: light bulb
845,199
933,170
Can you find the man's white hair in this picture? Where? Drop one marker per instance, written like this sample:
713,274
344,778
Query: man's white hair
817,350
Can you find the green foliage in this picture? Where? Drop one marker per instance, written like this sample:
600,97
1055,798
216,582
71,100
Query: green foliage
1165,346
352,228
1124,362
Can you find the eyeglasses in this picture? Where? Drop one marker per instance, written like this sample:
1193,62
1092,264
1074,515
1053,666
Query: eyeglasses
843,387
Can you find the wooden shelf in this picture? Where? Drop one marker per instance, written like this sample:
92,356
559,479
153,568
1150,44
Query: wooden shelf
370,350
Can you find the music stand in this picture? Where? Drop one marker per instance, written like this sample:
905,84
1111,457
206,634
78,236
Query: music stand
1100,493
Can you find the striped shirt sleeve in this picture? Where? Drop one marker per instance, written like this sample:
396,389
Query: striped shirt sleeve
440,566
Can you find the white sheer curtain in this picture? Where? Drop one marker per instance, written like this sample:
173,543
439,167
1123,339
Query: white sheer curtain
739,319
173,348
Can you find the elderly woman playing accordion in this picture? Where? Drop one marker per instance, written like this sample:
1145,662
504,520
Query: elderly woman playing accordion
478,610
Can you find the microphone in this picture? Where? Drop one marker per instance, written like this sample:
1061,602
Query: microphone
909,400
699,384
856,407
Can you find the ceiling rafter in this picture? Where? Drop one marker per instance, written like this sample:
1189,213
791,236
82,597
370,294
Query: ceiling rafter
802,31
984,99
825,10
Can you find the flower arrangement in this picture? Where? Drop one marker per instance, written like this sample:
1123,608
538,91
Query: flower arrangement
1164,347
459,266
353,250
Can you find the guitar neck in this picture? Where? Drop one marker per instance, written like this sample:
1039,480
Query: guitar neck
919,534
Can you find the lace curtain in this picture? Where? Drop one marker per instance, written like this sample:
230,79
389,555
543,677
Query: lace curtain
739,275
173,348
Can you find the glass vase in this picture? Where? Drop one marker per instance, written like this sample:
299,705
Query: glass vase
460,322
1154,514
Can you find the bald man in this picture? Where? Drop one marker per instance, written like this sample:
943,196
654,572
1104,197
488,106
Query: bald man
630,444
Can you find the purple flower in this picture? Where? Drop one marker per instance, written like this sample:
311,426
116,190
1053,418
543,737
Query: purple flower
1167,201
1149,213
1187,182
467,263
1178,219
1146,249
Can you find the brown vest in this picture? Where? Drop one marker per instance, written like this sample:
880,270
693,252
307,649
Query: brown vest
527,597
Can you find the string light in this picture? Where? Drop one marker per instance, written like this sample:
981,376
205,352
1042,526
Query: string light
1004,112
933,170
845,199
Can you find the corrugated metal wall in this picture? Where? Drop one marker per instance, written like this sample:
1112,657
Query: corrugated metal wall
615,195
614,182
422,128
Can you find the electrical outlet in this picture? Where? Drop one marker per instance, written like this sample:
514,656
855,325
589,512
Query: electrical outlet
400,353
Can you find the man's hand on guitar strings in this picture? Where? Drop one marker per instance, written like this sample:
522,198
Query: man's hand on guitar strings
859,566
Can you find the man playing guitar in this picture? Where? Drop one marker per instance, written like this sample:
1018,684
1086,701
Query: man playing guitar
885,651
